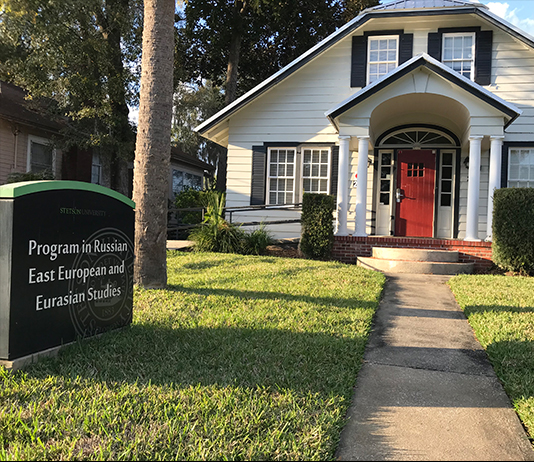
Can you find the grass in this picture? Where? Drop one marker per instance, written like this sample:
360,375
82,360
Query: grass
501,311
241,358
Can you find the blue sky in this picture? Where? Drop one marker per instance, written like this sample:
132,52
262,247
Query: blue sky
518,12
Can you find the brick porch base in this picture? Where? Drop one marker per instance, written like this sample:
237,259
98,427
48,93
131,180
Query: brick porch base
347,248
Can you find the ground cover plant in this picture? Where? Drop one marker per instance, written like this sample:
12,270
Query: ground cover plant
501,311
241,358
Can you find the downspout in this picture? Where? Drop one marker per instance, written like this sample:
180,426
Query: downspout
15,130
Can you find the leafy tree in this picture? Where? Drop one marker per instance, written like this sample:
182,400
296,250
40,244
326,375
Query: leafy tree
153,146
236,44
83,54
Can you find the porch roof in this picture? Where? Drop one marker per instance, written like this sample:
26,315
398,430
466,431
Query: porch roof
509,111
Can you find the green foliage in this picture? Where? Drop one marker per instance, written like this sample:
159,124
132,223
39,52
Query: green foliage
30,176
317,236
513,229
189,198
218,235
193,105
85,56
272,34
256,242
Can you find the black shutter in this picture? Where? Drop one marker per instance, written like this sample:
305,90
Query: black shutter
358,74
434,45
504,167
334,170
483,47
257,189
405,47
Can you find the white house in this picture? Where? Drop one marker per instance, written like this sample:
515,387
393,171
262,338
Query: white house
412,114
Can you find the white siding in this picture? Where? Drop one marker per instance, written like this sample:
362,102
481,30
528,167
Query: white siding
293,111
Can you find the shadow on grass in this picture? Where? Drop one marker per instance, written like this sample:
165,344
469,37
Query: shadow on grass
337,301
303,362
470,309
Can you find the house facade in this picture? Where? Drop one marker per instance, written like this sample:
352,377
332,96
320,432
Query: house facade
412,114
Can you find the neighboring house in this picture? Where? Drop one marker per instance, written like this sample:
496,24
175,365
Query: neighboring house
412,114
26,140
188,172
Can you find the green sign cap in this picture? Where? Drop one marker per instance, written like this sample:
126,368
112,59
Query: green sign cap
13,190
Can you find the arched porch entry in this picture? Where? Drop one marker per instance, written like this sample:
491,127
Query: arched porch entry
416,182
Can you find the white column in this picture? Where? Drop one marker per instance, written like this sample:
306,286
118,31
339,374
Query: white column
494,178
361,187
343,186
473,191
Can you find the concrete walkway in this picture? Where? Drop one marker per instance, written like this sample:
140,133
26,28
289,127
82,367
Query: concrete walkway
426,390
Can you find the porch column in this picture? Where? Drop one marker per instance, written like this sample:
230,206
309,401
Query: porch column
343,186
473,189
361,187
494,178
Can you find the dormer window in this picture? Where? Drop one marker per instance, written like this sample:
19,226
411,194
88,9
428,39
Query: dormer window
383,56
459,53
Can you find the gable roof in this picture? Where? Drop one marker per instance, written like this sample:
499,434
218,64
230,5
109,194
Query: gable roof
393,9
413,4
178,155
15,107
437,67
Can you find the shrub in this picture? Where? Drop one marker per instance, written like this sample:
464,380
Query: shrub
256,242
30,176
317,235
513,229
188,198
216,234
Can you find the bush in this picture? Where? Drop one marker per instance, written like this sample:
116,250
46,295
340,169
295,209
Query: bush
188,198
256,242
513,229
30,176
317,235
216,234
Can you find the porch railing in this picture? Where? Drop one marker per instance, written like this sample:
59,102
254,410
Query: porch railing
175,224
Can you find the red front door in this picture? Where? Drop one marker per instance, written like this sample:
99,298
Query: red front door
416,172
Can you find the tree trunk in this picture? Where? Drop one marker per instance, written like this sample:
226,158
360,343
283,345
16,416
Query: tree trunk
231,81
153,147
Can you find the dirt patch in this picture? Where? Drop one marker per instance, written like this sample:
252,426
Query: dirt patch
284,250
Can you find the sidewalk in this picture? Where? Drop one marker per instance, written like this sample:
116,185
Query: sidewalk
426,390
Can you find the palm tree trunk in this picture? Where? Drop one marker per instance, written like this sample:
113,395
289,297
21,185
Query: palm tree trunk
153,146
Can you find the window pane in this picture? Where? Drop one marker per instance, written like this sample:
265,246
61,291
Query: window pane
315,157
315,170
324,171
373,56
40,157
281,156
282,170
306,185
274,156
447,158
383,44
290,157
289,170
374,45
384,198
445,200
524,173
383,56
323,186
513,172
446,172
446,186
324,157
307,170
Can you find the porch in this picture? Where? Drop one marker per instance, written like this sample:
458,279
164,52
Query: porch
347,248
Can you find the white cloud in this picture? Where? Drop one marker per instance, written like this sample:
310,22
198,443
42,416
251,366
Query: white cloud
503,10
134,115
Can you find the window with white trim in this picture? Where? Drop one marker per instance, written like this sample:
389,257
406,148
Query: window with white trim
41,155
316,170
521,168
382,56
281,176
459,53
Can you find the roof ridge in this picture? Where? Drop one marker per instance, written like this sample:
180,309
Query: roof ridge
417,4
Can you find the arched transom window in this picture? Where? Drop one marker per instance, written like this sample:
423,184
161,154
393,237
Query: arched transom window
418,138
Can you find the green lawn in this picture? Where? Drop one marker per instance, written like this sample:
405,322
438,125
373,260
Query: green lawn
241,358
501,311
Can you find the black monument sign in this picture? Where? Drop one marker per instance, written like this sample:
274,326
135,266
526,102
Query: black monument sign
66,264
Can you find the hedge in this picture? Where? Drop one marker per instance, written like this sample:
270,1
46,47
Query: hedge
513,229
317,235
